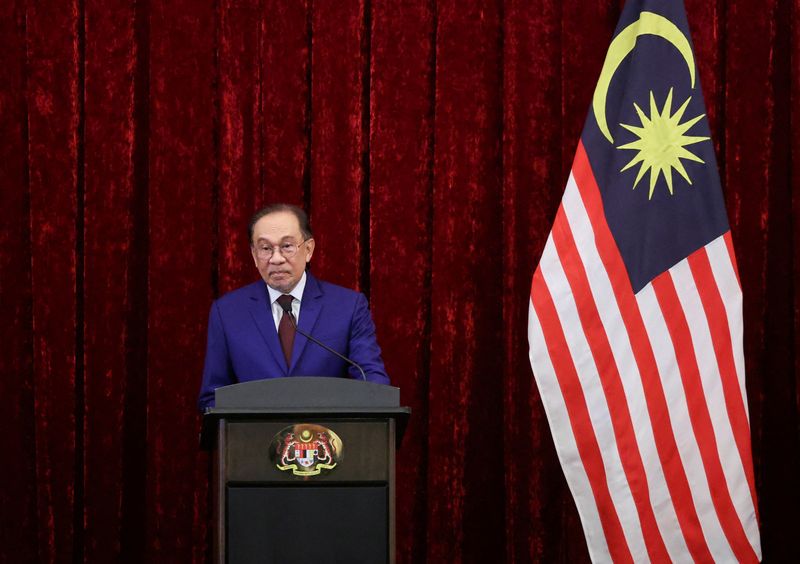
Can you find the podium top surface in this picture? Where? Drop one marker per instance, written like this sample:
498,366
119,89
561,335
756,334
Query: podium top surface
304,396
317,393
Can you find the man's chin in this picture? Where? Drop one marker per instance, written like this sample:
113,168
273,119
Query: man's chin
283,285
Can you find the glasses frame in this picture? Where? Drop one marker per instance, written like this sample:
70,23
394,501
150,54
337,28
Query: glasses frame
260,252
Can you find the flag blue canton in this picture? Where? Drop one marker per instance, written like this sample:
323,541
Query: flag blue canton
654,231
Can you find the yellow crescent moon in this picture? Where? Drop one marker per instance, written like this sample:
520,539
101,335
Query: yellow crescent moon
647,24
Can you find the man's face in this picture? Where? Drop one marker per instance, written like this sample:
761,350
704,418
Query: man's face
272,231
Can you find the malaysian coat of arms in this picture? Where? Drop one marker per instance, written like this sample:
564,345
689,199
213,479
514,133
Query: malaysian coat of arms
306,449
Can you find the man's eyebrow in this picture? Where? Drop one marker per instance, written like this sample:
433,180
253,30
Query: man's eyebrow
285,238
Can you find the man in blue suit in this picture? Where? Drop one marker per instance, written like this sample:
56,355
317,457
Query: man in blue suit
248,337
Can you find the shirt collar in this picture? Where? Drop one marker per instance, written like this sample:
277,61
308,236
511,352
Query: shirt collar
296,293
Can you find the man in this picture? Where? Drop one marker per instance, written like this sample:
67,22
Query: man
248,336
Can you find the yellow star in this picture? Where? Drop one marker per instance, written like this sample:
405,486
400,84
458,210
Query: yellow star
661,144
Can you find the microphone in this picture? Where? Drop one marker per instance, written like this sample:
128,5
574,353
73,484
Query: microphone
287,310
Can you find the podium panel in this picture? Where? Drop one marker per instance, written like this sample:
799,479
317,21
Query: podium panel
365,454
290,524
304,470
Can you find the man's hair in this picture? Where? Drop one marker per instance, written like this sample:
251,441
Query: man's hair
299,213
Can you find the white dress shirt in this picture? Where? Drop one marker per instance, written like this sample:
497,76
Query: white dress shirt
296,293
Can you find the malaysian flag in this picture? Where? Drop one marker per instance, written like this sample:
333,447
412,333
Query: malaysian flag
635,321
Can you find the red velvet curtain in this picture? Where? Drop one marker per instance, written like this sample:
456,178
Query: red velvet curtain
430,140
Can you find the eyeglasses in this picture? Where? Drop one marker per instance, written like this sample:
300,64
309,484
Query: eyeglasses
287,249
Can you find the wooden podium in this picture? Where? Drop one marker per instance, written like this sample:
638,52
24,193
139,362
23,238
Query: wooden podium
303,470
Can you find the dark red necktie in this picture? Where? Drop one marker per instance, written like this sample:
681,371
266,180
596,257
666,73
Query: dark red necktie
286,329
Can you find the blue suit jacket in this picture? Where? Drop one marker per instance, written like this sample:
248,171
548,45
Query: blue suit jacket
243,343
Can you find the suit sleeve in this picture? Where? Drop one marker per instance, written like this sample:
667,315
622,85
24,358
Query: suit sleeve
217,370
364,349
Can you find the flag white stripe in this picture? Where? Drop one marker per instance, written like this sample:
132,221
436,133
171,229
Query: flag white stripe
731,292
567,450
725,276
712,390
667,363
556,280
619,340
729,452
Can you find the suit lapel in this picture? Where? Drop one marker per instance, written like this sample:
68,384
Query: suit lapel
261,310
310,308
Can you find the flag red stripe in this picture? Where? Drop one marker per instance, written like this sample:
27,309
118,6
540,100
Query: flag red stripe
723,349
582,429
612,386
678,329
674,473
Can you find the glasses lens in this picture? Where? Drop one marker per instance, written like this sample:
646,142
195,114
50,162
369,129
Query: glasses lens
288,250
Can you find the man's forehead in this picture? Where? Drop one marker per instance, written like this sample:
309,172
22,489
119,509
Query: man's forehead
277,225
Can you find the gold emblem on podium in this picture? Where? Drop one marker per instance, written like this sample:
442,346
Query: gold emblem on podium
306,449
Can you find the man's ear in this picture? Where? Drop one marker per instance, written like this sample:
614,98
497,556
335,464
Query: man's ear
310,247
253,254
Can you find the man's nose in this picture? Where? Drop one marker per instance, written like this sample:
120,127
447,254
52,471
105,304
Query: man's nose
277,257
